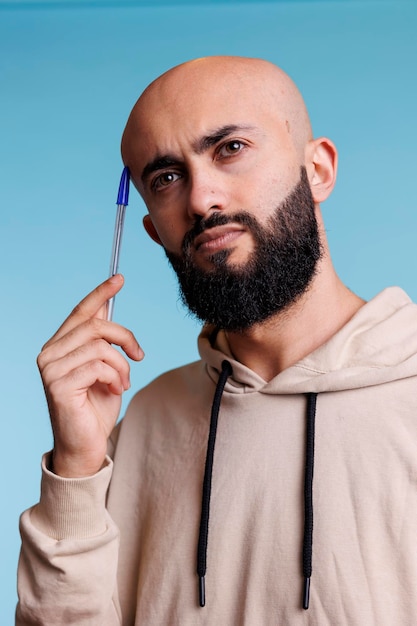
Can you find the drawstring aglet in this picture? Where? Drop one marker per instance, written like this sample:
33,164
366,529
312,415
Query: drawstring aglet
202,590
306,593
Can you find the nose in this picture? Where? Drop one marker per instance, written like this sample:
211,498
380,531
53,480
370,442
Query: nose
207,193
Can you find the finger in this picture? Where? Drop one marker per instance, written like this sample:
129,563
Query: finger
92,329
98,349
93,304
71,388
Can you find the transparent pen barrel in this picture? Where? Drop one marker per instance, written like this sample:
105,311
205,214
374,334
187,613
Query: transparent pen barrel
115,255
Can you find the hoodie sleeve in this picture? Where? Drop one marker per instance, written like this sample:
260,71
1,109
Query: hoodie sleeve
68,560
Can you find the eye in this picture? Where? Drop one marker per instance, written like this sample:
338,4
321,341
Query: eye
231,148
164,180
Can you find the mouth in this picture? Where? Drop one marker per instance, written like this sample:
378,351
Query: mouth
217,238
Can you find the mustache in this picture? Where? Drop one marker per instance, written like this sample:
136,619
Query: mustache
217,219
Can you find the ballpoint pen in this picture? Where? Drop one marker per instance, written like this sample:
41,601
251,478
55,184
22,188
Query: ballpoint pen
122,202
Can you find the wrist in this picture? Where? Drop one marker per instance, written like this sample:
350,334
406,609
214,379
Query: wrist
67,466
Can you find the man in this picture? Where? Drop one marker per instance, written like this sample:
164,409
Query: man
198,508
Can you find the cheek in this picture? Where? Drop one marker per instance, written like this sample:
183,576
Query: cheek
171,232
269,183
270,195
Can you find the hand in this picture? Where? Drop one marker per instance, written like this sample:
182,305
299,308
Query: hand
84,377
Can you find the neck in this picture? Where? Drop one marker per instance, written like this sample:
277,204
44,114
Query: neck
272,346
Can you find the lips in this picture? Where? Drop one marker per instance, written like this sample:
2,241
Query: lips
218,237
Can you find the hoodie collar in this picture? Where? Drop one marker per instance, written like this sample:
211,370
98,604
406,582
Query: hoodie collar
378,345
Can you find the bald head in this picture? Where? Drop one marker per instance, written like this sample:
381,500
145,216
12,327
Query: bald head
213,91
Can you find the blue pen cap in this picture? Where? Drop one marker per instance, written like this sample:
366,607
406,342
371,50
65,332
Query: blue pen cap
123,195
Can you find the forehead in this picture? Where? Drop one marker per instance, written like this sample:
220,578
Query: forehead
177,113
197,108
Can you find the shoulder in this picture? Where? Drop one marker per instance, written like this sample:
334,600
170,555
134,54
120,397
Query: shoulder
172,395
174,382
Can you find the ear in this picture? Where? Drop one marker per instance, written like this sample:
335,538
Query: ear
321,163
150,229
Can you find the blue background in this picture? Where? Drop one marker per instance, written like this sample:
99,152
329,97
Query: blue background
70,73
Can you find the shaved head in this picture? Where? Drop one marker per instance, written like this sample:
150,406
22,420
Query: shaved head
208,89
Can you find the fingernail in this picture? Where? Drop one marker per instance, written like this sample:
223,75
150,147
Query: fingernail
116,278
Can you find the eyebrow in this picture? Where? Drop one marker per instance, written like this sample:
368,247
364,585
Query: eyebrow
159,163
206,142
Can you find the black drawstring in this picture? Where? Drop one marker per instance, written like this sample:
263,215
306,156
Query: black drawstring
205,504
308,490
308,498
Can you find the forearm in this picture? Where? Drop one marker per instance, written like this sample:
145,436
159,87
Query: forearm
68,562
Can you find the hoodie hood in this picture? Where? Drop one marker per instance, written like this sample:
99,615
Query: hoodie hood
378,345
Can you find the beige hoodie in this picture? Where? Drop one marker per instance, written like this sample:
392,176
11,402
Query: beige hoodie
134,562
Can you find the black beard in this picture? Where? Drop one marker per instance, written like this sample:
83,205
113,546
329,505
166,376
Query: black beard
277,273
